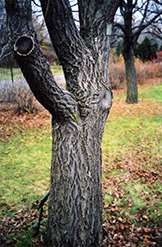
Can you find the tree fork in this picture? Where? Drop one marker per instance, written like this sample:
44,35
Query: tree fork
75,202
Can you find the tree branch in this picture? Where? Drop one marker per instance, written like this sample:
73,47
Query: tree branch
94,15
67,42
142,27
62,29
60,103
5,51
145,13
121,26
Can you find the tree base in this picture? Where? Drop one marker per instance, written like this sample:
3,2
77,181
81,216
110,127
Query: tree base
132,101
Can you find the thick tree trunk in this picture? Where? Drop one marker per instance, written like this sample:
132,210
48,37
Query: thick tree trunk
79,114
132,91
75,205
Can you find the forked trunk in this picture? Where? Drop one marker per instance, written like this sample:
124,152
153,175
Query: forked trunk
132,92
79,113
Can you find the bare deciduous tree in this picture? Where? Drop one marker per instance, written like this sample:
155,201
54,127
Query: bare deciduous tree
79,112
135,17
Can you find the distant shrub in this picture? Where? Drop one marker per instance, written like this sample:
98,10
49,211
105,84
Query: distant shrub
117,71
19,94
144,70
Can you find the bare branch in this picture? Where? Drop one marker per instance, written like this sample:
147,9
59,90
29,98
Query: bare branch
36,3
142,27
121,26
150,11
74,5
5,51
34,65
145,13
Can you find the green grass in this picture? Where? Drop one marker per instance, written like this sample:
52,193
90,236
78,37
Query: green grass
108,198
132,182
152,92
57,70
5,74
130,133
132,156
24,169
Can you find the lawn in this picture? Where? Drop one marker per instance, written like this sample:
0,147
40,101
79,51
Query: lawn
5,74
132,172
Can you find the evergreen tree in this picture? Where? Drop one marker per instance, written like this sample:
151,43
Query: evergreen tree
146,50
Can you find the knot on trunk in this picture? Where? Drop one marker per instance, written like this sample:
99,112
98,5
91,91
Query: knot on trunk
24,45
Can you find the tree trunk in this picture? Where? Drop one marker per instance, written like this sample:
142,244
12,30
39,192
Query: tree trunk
79,114
132,91
75,205
126,9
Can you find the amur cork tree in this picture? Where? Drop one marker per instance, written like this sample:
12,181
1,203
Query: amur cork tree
78,113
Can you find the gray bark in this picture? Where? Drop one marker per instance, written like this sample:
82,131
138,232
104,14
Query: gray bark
79,113
128,52
132,91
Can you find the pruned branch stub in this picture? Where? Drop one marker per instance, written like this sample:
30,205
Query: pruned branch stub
24,45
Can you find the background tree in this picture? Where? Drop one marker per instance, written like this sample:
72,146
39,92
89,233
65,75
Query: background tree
79,113
135,17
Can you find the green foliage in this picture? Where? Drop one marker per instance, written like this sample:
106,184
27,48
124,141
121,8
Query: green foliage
119,49
146,50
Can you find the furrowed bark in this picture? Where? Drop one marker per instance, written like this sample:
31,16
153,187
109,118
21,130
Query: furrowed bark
33,63
94,15
81,65
79,115
72,49
68,43
75,207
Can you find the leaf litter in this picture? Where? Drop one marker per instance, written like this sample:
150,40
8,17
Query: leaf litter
133,209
